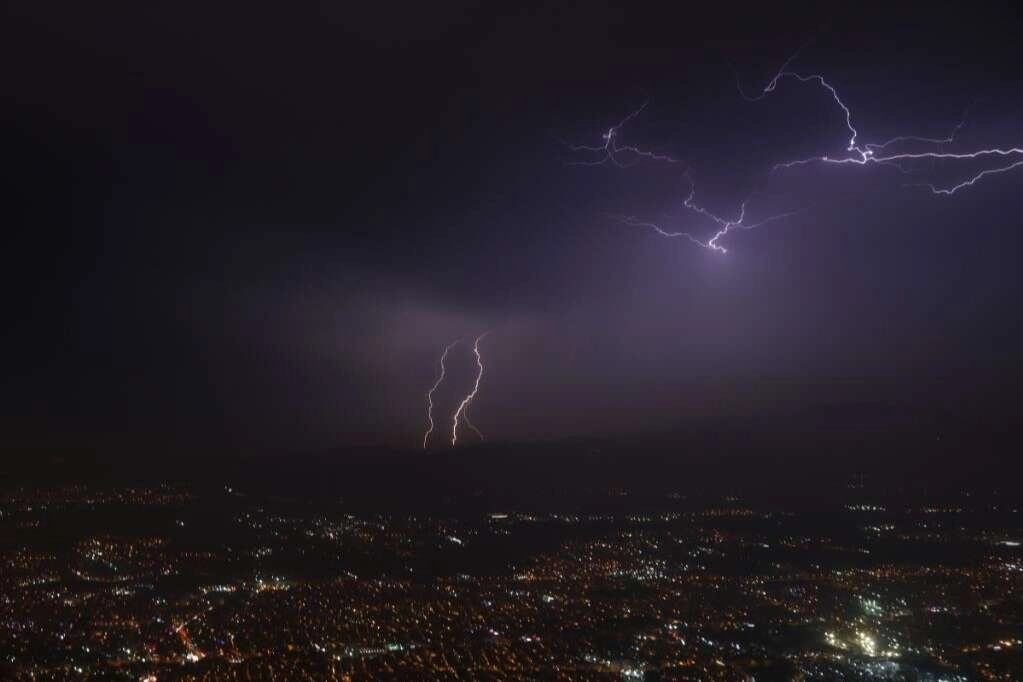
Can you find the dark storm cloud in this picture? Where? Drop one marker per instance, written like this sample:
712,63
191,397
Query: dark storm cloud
260,228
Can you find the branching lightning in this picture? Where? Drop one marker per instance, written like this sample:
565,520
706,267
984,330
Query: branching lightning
463,409
624,156
429,394
725,225
897,152
611,152
465,418
869,153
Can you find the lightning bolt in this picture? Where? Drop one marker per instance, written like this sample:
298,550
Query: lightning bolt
463,409
896,152
724,225
625,156
610,151
429,394
465,418
874,153
727,225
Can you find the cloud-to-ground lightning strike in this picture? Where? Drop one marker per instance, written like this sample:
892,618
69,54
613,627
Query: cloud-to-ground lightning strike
463,409
465,418
855,153
429,394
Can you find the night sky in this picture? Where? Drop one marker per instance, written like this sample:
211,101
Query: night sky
257,226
